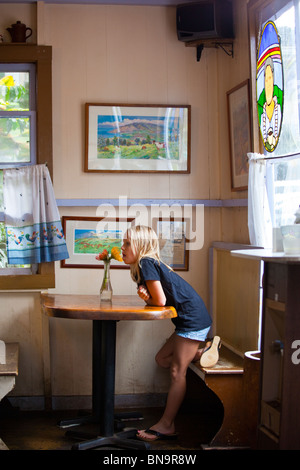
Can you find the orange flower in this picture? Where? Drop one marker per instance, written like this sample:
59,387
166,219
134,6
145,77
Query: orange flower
105,255
116,254
102,256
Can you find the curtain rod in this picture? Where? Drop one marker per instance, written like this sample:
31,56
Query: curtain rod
25,165
263,157
284,156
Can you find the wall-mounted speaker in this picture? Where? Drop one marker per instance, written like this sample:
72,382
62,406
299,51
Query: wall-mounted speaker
204,20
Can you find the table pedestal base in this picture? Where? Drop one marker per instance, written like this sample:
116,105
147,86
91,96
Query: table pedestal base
119,420
104,347
121,440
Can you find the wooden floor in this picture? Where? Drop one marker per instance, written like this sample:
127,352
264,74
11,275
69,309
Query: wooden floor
37,435
38,430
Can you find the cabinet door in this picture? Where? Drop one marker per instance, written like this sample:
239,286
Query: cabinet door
280,375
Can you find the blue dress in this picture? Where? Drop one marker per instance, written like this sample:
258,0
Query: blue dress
191,310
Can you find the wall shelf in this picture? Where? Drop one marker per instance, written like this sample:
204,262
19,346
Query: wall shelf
225,44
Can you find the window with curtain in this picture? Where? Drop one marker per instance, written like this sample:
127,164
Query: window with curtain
17,138
274,178
25,140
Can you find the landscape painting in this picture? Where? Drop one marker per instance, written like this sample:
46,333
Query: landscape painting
134,138
87,237
95,241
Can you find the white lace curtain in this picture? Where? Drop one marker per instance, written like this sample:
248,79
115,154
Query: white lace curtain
273,195
32,222
259,220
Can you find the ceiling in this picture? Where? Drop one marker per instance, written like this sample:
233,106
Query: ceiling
109,2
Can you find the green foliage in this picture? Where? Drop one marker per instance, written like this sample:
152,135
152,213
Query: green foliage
147,151
13,97
3,255
93,245
14,129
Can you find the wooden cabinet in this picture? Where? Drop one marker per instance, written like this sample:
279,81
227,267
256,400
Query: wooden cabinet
279,403
279,420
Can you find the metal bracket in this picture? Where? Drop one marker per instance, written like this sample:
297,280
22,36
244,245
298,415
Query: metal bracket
227,47
229,44
199,50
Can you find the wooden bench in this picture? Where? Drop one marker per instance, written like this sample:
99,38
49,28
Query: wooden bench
8,374
234,383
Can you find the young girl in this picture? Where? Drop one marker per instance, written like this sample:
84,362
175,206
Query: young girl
159,285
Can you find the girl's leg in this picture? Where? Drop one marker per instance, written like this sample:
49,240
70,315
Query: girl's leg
183,352
165,354
201,350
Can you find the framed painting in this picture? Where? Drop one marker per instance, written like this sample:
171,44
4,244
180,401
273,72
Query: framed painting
86,237
137,138
239,134
171,234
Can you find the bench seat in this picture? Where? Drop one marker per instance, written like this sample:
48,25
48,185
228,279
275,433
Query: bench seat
227,380
8,374
228,363
11,367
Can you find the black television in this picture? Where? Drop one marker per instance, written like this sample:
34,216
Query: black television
204,20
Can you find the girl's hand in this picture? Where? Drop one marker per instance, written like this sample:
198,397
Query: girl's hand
152,293
143,293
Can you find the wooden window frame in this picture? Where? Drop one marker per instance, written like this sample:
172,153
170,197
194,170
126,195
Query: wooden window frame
42,57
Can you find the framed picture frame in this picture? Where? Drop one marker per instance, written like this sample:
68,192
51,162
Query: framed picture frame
171,234
240,137
88,236
137,138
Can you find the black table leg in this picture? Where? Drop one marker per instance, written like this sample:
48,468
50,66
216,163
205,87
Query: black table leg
101,341
104,350
104,358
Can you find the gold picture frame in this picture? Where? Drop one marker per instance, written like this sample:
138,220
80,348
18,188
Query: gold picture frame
88,236
136,138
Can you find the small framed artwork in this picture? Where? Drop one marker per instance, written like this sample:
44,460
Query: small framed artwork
86,237
239,134
171,234
137,138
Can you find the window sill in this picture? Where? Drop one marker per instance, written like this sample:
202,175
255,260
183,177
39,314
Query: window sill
44,279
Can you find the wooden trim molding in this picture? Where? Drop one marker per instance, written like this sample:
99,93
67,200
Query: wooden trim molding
148,202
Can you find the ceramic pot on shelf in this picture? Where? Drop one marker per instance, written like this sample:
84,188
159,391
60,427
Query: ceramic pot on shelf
19,32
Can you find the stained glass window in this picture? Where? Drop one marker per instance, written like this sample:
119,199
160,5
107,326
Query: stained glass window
269,86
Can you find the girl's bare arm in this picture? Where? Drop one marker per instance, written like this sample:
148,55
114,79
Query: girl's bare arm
153,293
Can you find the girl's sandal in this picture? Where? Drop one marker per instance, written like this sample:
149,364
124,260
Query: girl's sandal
210,356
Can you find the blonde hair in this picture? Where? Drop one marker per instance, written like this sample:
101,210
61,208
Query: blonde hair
144,243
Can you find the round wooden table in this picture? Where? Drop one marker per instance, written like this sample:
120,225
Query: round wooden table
104,315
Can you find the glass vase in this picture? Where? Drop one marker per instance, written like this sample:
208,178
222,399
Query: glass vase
106,289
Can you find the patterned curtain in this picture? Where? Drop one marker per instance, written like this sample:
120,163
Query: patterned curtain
32,222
